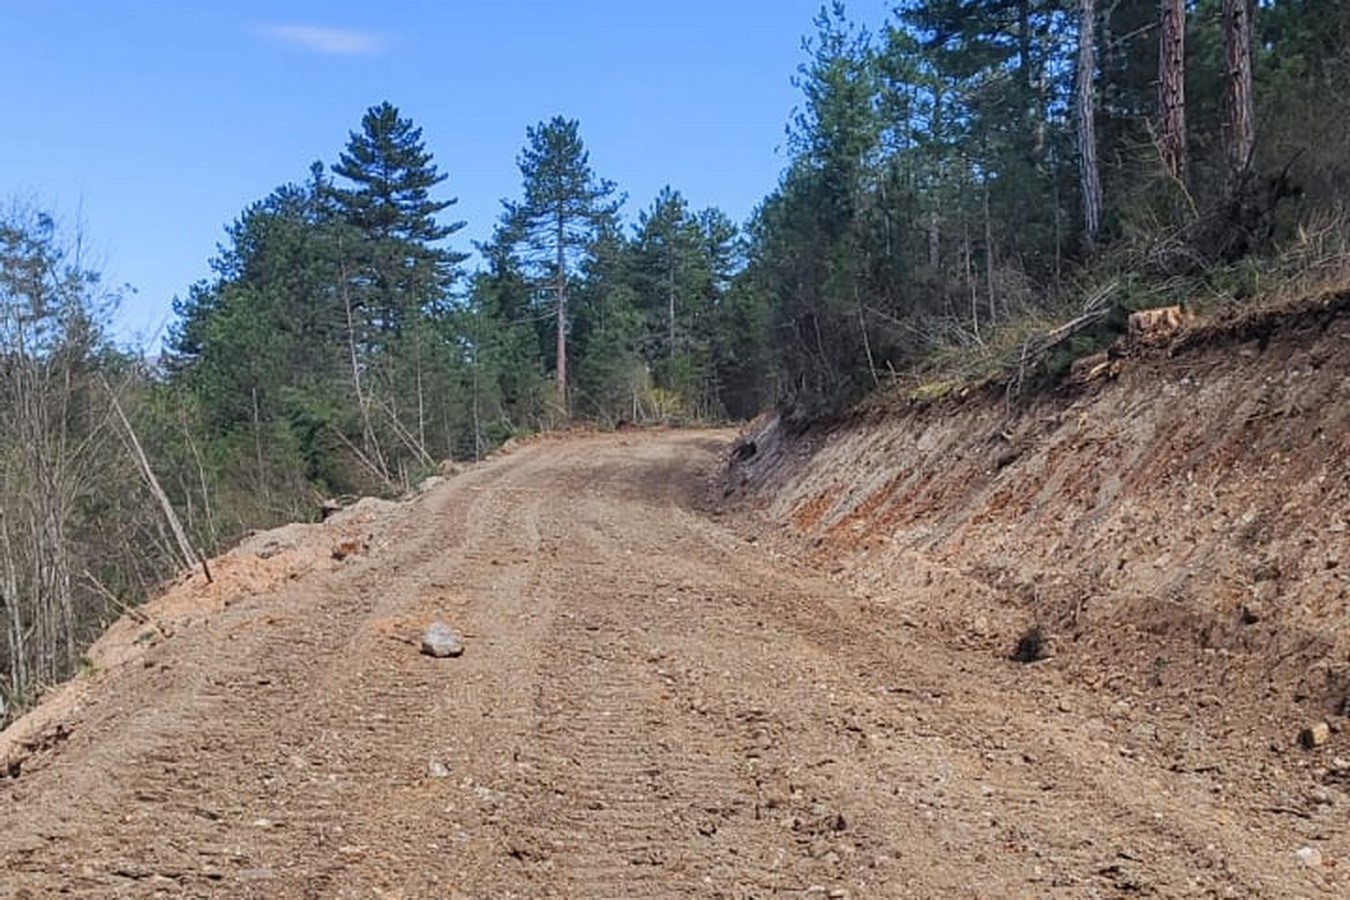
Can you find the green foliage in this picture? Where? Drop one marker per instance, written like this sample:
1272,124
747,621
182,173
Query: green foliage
322,356
400,271
930,202
564,208
608,333
925,226
393,174
504,377
681,270
563,202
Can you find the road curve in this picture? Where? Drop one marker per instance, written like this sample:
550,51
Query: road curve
652,704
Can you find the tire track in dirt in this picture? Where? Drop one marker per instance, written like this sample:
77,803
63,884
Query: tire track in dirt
627,801
416,743
279,728
653,767
651,705
1010,781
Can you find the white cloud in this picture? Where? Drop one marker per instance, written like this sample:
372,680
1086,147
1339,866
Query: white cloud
334,41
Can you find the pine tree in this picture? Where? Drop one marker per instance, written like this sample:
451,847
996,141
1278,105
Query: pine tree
815,220
564,207
1085,116
668,266
260,350
401,275
506,384
612,382
1172,89
268,320
1238,99
837,133
390,205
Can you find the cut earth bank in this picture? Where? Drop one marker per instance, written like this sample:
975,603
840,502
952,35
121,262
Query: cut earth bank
1171,535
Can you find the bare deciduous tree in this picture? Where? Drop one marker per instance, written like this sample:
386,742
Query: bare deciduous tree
46,338
71,504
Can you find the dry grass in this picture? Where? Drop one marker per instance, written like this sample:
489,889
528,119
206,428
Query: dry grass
1014,354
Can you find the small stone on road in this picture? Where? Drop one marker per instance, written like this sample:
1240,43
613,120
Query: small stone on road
1309,856
440,640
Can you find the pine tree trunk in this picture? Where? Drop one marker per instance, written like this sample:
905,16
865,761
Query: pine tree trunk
477,361
1089,174
1237,46
988,255
421,395
560,289
935,127
934,241
1024,62
670,291
968,255
1172,88
257,446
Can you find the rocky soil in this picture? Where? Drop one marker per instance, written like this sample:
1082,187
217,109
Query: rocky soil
1170,534
792,678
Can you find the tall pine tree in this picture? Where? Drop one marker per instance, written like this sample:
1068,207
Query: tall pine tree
563,208
389,202
402,274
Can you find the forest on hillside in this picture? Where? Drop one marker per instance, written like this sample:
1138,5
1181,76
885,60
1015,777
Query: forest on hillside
957,176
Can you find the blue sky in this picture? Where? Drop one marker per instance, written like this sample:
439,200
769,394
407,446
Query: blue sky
153,124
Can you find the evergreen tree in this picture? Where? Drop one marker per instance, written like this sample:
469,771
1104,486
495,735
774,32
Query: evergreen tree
814,226
668,271
1085,119
612,381
399,280
390,205
1238,99
269,318
324,346
736,327
1172,89
1301,82
261,346
563,208
506,384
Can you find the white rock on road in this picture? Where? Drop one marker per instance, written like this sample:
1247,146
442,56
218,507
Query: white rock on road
440,640
1309,856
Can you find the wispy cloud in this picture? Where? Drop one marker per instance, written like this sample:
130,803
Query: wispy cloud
334,41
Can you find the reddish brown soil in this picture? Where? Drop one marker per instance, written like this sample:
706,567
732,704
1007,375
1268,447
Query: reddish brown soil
666,697
1180,531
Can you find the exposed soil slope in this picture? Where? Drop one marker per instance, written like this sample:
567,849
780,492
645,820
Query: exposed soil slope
659,698
1177,528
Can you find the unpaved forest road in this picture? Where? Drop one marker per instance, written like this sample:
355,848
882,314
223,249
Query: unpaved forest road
650,705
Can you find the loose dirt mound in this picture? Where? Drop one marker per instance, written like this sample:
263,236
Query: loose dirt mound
261,563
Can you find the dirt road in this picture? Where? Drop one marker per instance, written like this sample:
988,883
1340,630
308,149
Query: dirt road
655,701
